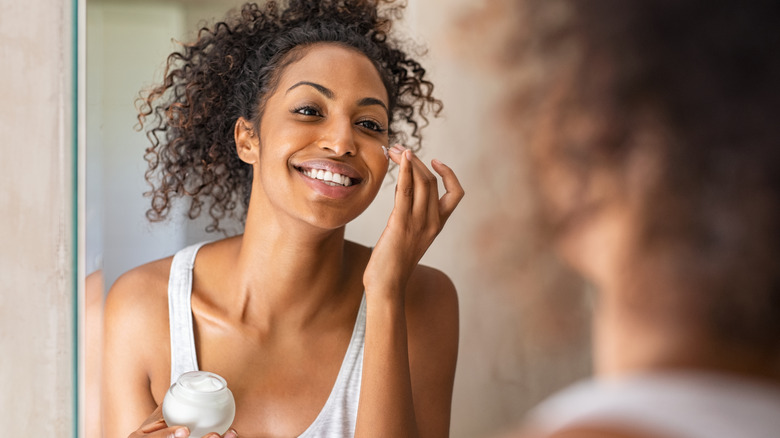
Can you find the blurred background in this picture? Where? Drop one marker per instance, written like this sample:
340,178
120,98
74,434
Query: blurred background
524,319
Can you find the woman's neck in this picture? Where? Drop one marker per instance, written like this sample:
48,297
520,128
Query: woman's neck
664,335
289,270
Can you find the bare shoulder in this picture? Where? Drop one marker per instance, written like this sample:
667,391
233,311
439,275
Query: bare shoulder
136,351
433,329
432,293
432,319
136,309
432,315
140,287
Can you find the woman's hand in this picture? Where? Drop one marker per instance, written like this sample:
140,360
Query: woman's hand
387,401
417,218
155,427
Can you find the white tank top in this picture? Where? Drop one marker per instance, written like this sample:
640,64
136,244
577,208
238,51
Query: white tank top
335,420
682,404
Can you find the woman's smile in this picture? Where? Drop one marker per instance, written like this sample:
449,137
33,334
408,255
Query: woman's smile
319,154
329,178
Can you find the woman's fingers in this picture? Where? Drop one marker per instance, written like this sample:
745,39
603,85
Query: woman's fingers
155,426
425,188
453,190
404,189
423,182
396,153
421,185
158,429
154,422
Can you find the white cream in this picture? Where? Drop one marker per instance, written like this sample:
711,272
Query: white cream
201,401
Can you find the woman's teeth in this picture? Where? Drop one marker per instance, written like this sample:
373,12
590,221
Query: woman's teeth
328,177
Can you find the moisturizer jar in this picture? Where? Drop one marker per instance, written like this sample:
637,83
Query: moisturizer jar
201,401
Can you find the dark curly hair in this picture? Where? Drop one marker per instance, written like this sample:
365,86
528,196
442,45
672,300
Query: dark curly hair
229,72
705,76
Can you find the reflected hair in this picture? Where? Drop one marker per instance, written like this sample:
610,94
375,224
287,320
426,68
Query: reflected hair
703,76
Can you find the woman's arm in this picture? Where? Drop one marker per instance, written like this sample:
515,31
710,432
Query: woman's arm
134,317
433,325
398,296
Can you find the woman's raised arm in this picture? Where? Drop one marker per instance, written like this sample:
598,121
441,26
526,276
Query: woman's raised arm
412,316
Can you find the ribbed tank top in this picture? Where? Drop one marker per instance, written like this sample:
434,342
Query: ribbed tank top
336,419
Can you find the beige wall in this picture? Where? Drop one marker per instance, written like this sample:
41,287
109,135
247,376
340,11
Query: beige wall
36,250
523,327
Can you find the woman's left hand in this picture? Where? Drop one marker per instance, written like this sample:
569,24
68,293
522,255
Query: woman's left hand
417,218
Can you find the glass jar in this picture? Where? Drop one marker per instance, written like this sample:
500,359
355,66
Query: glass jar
201,401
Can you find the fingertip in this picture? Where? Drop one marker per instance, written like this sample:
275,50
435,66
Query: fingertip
181,432
440,167
408,154
403,158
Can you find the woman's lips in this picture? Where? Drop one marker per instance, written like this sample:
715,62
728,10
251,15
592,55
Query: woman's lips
329,172
331,179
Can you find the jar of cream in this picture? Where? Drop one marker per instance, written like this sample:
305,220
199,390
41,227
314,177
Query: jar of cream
201,401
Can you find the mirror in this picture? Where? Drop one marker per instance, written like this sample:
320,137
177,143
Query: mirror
127,43
501,371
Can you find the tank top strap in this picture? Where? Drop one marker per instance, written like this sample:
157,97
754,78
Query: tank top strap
183,356
338,417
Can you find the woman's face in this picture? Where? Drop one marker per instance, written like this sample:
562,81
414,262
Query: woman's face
320,156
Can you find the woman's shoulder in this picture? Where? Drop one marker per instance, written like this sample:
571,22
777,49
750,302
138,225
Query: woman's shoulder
147,284
430,289
433,331
139,295
432,312
143,282
135,324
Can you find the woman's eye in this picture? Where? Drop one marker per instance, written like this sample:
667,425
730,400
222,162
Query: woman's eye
307,111
372,125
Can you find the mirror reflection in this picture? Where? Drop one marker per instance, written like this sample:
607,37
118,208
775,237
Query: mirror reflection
127,44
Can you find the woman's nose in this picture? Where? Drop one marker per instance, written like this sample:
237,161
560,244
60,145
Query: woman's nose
339,137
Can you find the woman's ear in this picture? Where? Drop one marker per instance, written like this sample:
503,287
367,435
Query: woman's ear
247,141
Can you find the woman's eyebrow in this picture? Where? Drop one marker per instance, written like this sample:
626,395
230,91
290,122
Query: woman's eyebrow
366,101
327,92
324,90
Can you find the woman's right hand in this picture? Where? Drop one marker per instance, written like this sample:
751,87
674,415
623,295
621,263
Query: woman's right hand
155,427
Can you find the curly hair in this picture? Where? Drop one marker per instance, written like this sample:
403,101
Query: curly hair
231,70
705,76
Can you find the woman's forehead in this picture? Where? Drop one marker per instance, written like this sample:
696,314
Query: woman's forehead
341,69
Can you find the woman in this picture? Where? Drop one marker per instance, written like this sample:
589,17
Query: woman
656,152
289,112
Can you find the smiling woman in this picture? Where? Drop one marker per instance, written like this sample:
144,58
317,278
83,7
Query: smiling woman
346,116
283,118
